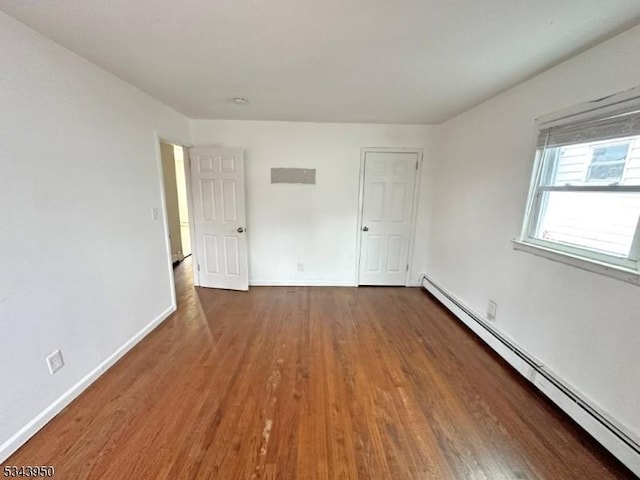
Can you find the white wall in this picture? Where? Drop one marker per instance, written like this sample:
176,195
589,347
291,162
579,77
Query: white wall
312,224
583,326
84,267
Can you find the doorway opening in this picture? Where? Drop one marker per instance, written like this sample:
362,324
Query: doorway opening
183,202
176,198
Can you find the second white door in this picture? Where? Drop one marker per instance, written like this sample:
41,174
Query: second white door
217,187
387,211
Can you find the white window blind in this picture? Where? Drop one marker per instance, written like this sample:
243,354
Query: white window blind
621,124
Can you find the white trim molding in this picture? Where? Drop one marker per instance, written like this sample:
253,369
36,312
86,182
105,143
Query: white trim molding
584,263
302,283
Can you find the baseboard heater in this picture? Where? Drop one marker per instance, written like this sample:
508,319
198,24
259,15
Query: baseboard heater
610,435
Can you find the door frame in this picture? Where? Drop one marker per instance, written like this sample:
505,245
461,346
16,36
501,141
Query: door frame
162,209
414,205
186,154
165,218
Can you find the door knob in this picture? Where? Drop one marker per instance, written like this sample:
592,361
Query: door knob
240,229
365,229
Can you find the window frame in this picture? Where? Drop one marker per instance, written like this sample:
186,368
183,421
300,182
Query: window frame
627,269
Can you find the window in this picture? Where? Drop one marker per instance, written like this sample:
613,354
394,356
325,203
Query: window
607,162
584,202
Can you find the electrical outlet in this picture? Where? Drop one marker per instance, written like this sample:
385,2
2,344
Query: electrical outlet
55,361
300,267
491,310
154,213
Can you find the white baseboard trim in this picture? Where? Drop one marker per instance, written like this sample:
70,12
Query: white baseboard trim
312,283
46,415
601,426
302,283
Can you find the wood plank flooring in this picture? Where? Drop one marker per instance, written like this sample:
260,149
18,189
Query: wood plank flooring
313,383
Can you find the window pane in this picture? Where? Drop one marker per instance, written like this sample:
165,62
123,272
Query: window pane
604,222
615,162
607,163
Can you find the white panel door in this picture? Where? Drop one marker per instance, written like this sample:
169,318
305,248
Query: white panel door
387,209
217,187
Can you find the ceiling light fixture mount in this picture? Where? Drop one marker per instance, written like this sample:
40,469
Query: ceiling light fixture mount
240,100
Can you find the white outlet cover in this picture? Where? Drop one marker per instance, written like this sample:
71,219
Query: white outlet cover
491,310
55,361
154,213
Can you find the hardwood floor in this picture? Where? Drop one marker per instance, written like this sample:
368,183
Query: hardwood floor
313,383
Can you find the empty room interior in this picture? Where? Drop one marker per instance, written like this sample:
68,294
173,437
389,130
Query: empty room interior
320,240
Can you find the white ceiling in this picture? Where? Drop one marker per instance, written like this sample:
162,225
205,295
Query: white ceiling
391,61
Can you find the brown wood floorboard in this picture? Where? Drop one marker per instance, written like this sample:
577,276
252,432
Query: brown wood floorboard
313,383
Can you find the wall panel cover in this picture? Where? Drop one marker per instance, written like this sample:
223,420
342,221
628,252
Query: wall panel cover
293,175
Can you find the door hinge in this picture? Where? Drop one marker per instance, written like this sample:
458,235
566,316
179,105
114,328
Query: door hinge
198,267
407,267
417,165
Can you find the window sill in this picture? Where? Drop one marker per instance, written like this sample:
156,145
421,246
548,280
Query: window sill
620,273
